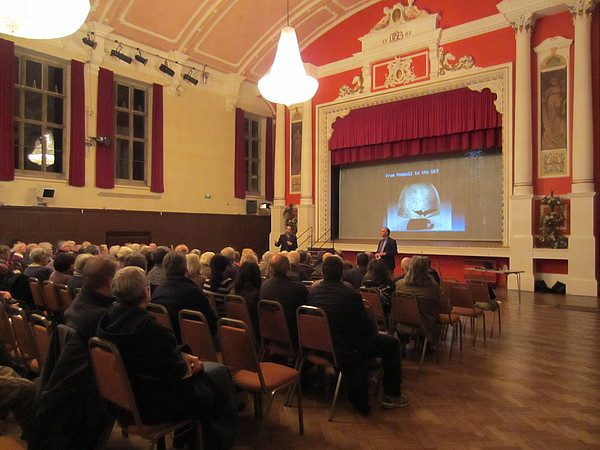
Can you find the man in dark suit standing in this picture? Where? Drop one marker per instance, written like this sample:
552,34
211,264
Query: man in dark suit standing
287,241
387,250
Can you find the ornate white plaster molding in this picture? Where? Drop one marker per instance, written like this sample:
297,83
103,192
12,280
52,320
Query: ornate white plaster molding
498,79
582,8
232,83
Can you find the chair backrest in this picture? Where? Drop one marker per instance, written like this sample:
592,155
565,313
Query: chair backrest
313,331
479,291
237,346
65,295
273,325
7,336
37,293
111,377
370,314
195,332
40,328
236,308
22,331
160,313
212,302
373,297
445,283
460,295
405,308
51,295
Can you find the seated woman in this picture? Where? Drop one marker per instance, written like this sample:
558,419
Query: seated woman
218,285
247,283
38,267
64,264
418,281
193,269
168,384
378,277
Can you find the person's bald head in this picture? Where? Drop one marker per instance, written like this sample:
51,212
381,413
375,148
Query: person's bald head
99,272
280,265
405,264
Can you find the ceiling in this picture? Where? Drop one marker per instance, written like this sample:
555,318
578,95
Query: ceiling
232,36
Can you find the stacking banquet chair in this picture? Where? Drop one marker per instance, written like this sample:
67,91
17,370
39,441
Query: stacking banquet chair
160,313
39,301
406,321
462,304
65,295
316,344
237,308
481,297
52,299
448,319
40,328
27,352
237,346
7,336
275,335
372,296
117,396
195,332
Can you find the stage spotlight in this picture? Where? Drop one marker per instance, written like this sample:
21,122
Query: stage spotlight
139,58
123,57
164,68
89,40
205,75
188,77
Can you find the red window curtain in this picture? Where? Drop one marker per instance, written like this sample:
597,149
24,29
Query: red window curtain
449,121
77,153
240,155
7,139
157,177
105,154
269,162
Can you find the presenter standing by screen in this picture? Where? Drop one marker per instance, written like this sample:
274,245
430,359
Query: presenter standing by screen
387,250
287,241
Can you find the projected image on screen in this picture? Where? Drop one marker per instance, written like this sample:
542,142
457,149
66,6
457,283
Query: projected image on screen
457,197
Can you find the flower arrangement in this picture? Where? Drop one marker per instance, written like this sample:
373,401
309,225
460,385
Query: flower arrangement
290,216
551,221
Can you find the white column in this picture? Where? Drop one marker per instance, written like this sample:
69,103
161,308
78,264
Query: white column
582,242
521,202
306,209
277,222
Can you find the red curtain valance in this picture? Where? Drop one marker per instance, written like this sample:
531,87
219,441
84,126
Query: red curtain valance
7,140
449,121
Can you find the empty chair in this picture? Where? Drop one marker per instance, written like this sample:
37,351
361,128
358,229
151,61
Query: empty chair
39,301
274,332
372,296
480,293
52,299
407,320
40,328
195,333
316,345
160,313
462,304
448,319
237,346
117,395
65,295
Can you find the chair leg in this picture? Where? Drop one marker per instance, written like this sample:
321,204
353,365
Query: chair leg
460,335
335,396
475,332
484,333
423,355
499,320
452,340
300,411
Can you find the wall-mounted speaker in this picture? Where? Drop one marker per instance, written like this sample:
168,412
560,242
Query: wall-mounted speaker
44,192
251,206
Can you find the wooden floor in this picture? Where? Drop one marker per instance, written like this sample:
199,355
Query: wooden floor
535,386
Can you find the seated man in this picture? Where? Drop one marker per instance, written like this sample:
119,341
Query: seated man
281,288
355,275
168,385
178,292
356,341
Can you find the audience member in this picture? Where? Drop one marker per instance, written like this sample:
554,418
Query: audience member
157,274
168,384
64,264
418,281
355,275
76,281
281,288
317,273
305,264
27,256
432,271
91,249
356,341
295,271
195,251
378,277
205,263
37,268
148,253
247,283
178,292
264,264
18,252
17,396
404,264
193,270
121,254
248,255
136,259
231,269
219,283
182,248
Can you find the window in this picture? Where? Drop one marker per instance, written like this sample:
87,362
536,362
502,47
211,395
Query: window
131,123
252,130
39,111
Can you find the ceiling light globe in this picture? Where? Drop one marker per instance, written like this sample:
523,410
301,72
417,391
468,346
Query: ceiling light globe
42,19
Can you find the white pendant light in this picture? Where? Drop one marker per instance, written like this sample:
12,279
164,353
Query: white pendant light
287,81
42,19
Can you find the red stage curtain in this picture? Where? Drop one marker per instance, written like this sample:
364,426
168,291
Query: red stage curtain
269,162
157,178
449,121
7,139
77,153
105,154
240,155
